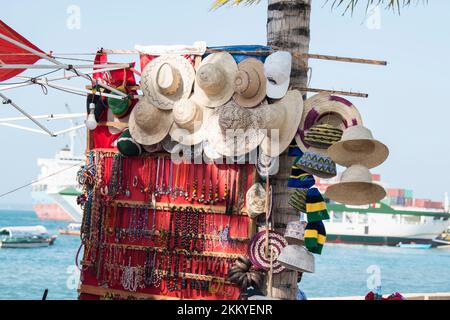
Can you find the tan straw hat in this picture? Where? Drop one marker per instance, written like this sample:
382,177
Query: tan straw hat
295,257
281,120
324,108
256,200
214,80
189,120
356,188
148,124
167,79
233,130
358,146
250,83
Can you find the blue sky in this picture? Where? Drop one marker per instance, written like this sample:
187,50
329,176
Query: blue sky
407,108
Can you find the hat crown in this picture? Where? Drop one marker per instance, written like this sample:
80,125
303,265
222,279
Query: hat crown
256,198
234,117
277,67
168,79
357,173
247,82
211,78
187,114
274,116
357,133
296,257
147,116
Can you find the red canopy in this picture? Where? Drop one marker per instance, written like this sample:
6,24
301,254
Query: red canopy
12,54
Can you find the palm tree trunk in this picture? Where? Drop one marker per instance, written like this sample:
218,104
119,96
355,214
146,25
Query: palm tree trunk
288,29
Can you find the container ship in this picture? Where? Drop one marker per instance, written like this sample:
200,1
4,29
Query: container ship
396,220
55,194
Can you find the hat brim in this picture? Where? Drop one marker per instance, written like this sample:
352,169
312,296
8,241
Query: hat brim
149,81
188,138
356,193
155,134
277,91
347,153
293,105
230,67
316,108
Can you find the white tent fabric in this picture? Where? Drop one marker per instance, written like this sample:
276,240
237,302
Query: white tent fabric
24,232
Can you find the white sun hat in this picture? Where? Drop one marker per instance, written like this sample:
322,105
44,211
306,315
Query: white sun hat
277,69
166,80
214,80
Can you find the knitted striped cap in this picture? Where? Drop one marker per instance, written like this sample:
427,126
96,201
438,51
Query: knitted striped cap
294,150
298,200
315,236
300,179
323,136
316,208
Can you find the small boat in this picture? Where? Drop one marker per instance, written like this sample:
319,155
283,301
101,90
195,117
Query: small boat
73,229
443,239
415,245
25,237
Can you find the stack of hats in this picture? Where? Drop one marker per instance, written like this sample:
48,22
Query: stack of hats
359,152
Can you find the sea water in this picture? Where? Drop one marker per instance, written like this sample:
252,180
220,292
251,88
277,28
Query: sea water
341,270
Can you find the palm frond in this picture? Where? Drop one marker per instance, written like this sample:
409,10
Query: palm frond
395,5
220,3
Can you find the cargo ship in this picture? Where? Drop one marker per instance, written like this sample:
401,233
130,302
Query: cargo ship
397,219
54,195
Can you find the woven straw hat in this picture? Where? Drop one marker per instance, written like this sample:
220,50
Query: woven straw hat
256,200
318,165
295,232
153,148
358,146
214,80
148,124
281,120
189,119
233,130
356,188
277,69
297,258
323,136
250,83
167,79
324,108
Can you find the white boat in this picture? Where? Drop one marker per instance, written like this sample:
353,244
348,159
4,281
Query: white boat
25,237
73,229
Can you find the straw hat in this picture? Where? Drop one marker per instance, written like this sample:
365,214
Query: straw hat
167,79
189,119
209,151
234,130
281,120
359,147
256,200
356,188
257,249
318,165
297,258
153,148
277,69
250,83
295,232
148,124
324,108
323,136
214,80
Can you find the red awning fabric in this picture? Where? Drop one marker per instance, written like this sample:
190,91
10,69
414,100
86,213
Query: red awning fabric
12,54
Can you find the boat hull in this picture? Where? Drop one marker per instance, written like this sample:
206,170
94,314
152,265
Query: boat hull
56,207
24,245
374,240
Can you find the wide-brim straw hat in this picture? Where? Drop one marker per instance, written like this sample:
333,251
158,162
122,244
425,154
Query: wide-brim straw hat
167,79
356,188
256,200
116,125
326,108
282,120
297,258
250,83
189,122
149,124
214,80
233,130
358,146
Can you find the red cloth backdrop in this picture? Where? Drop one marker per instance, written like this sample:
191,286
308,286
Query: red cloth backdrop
12,54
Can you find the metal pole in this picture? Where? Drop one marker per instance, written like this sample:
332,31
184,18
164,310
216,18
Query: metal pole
9,101
47,117
49,66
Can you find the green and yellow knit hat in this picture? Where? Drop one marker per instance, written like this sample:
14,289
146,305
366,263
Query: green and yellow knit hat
323,136
316,208
315,237
120,107
298,200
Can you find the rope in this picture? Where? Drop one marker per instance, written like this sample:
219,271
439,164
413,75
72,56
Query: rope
38,180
